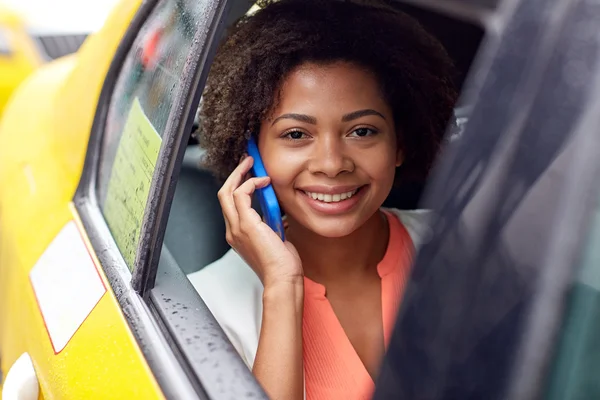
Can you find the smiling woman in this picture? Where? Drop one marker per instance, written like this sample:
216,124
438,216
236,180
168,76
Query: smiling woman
344,99
345,144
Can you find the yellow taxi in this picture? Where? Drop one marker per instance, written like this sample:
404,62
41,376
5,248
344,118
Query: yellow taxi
105,208
18,53
25,46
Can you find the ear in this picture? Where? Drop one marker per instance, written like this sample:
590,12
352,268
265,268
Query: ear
399,157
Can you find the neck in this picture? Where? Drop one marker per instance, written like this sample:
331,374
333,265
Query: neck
328,259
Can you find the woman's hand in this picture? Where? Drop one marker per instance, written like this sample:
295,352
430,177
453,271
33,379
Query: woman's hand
278,364
273,261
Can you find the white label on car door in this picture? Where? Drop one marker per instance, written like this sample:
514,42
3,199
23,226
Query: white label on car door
66,284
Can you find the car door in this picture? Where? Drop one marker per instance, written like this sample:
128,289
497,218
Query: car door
502,302
144,119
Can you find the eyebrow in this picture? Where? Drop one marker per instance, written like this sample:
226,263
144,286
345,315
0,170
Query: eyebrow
361,113
313,121
298,117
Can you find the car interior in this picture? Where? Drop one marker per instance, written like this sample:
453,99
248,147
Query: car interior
195,234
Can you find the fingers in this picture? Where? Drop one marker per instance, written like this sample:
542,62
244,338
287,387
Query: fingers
235,197
236,178
225,194
242,198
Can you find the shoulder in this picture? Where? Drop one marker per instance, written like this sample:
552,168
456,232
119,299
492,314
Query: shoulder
233,293
416,223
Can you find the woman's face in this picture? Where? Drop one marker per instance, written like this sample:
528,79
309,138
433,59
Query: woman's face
330,147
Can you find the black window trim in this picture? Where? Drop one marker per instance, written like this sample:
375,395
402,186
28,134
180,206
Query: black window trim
196,335
177,132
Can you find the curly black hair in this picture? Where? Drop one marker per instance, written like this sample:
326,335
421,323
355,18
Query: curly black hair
413,70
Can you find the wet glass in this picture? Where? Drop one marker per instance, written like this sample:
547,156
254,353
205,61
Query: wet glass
148,83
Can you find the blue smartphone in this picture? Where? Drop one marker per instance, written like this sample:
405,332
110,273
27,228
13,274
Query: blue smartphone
266,196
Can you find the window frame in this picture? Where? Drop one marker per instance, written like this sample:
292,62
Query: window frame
177,372
194,330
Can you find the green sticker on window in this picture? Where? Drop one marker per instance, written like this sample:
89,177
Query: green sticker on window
130,180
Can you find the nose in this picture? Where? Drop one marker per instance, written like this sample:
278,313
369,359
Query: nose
329,157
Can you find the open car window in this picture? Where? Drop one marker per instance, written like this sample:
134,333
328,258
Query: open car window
194,235
160,205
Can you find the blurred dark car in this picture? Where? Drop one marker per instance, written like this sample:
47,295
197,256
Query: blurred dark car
504,299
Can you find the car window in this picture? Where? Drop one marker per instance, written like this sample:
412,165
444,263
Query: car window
193,237
195,233
137,117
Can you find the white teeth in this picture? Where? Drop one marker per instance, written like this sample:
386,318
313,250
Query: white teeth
331,198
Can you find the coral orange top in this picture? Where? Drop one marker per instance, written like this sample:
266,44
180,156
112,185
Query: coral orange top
332,368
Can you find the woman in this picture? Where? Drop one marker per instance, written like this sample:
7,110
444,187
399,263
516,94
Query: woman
344,98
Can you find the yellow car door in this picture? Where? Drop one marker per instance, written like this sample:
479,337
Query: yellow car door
56,304
88,148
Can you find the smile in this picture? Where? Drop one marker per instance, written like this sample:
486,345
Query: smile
331,198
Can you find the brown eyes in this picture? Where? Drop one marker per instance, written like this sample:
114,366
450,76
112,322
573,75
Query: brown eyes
295,135
359,132
363,132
